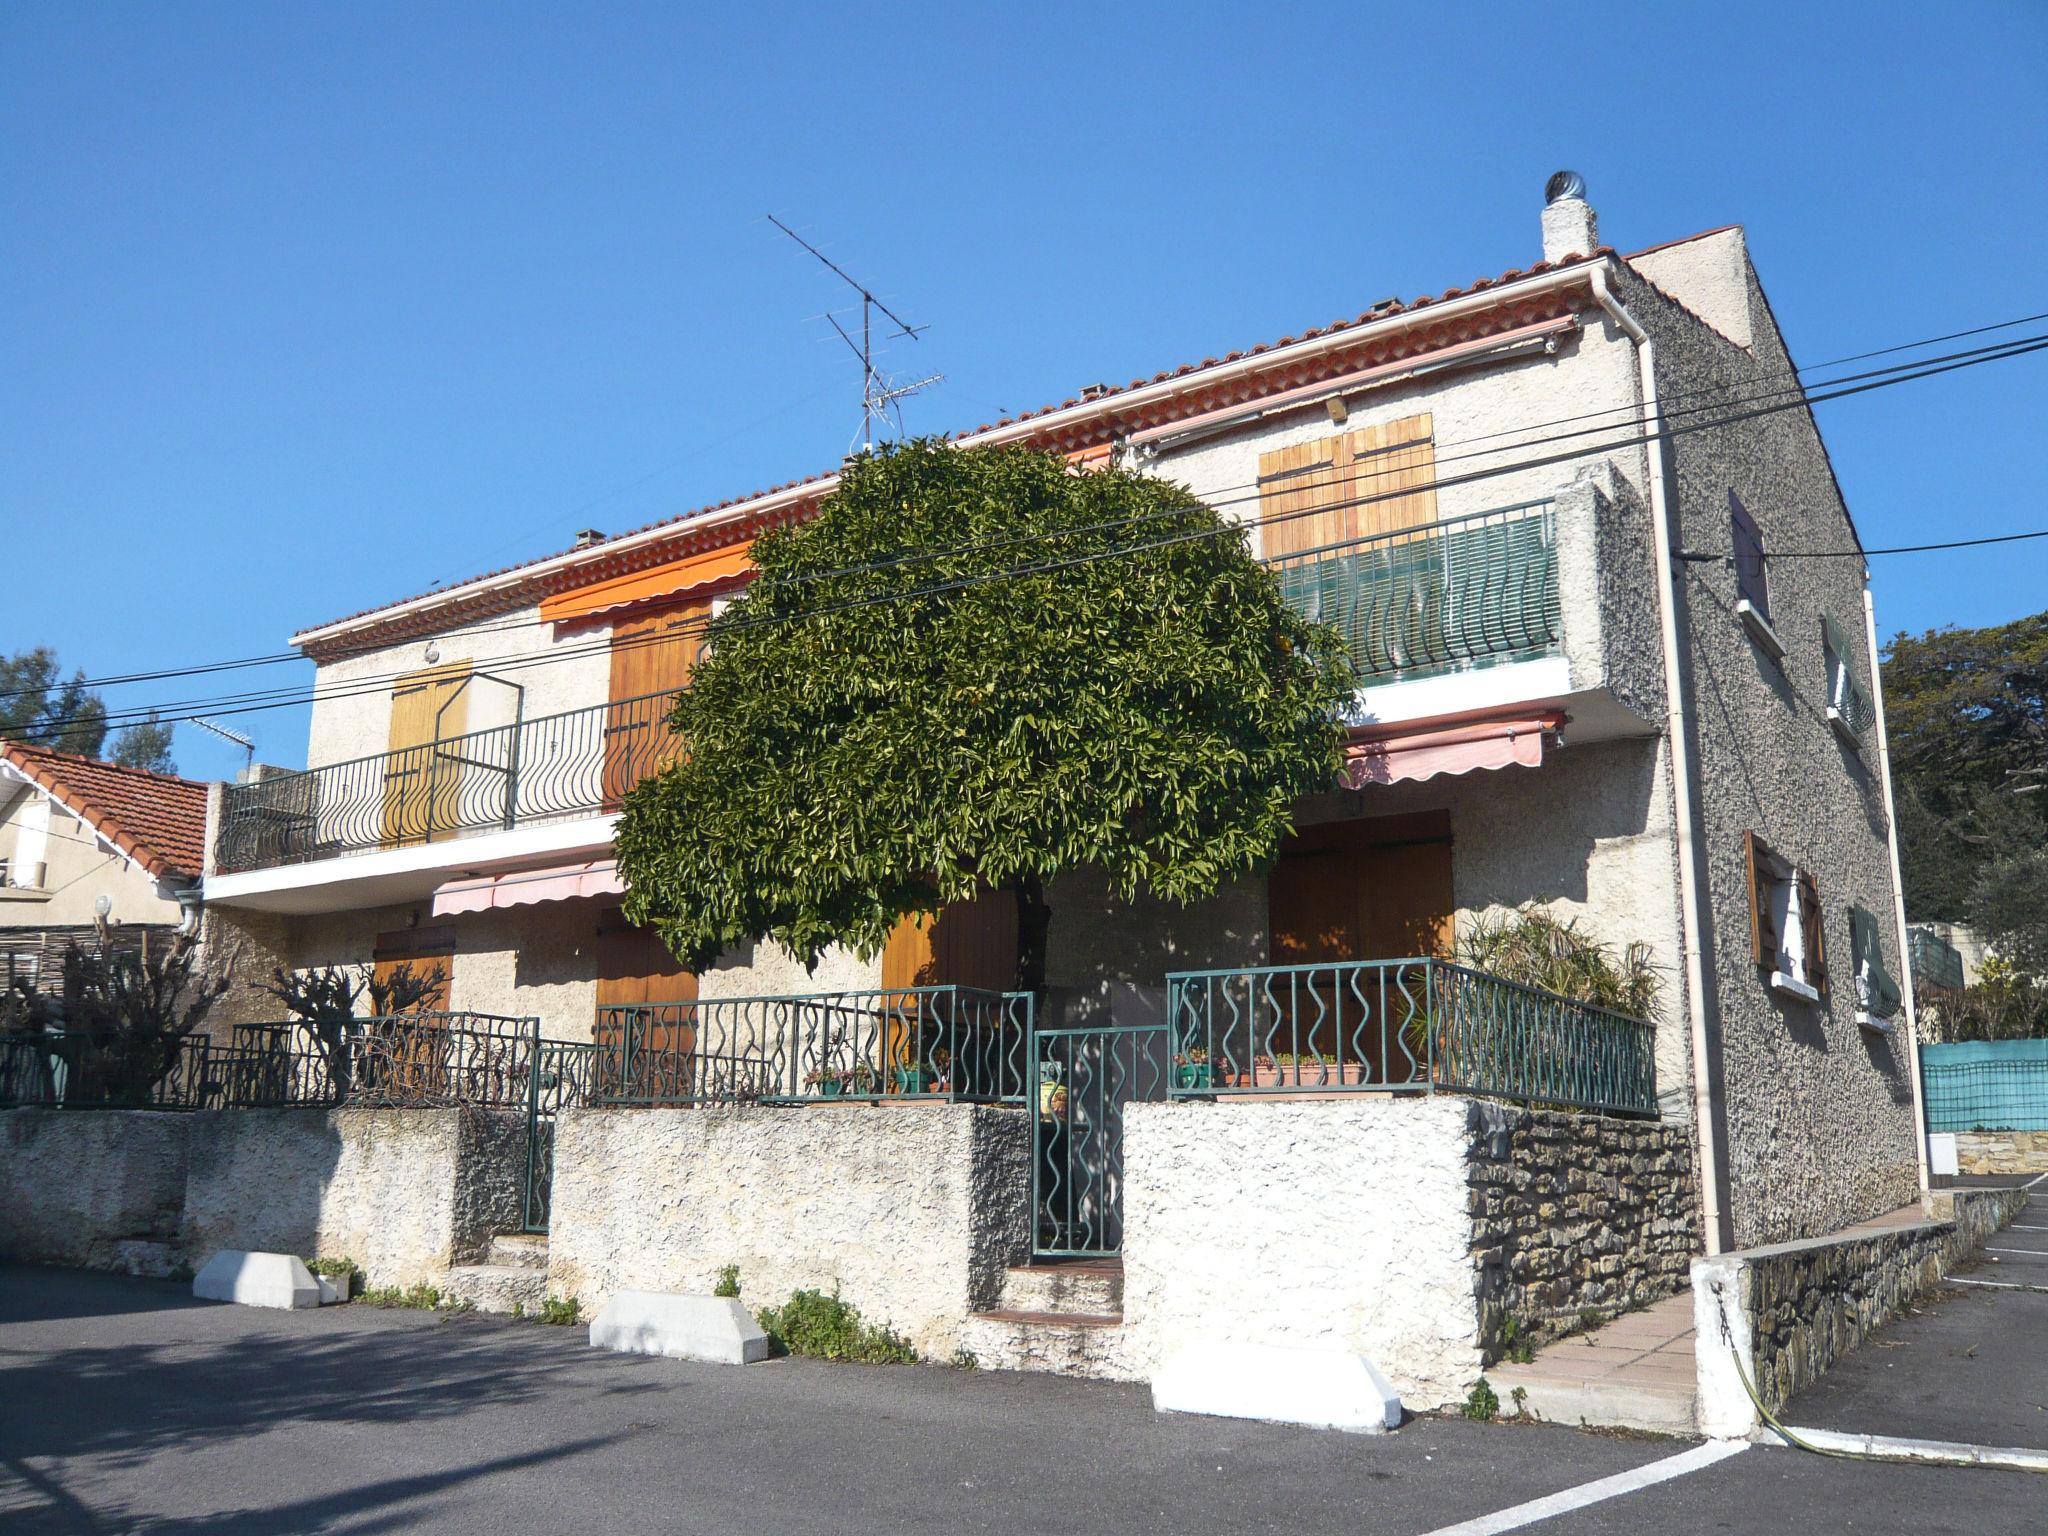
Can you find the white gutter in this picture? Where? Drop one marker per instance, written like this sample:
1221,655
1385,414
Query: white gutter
1679,735
1891,843
1130,400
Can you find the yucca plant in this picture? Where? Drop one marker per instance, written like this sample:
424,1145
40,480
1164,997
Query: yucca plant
1534,947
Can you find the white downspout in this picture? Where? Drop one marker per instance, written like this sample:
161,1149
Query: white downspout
1677,733
1891,843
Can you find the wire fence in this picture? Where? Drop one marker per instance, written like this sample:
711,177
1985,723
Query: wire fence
1985,1095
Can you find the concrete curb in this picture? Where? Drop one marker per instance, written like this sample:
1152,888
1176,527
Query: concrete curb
1894,1448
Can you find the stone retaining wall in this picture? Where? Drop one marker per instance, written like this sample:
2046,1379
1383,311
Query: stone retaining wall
99,1189
2002,1151
911,1212
405,1193
1405,1229
1785,1313
1577,1213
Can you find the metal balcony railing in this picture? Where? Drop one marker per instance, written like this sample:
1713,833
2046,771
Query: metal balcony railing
553,768
939,1042
1403,1026
1464,592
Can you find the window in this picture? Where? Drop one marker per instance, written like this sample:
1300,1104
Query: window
1849,707
1752,588
1785,929
1877,994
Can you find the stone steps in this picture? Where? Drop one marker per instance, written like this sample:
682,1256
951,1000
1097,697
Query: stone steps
496,1287
1636,1372
1061,1343
519,1250
1091,1288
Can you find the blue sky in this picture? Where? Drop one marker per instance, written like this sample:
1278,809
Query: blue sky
308,307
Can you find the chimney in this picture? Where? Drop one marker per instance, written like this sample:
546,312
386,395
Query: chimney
585,537
1569,227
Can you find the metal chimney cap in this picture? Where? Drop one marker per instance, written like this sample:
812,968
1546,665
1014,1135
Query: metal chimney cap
585,537
1563,185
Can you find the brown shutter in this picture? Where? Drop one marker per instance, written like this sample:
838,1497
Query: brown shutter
1393,475
420,783
1763,937
1304,493
1810,925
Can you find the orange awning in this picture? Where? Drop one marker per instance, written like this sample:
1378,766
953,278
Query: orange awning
1390,757
674,578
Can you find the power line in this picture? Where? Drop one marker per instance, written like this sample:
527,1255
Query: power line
1697,556
1634,414
1927,368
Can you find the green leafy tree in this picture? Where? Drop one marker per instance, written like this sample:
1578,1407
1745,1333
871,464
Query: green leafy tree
145,744
877,730
40,706
1968,716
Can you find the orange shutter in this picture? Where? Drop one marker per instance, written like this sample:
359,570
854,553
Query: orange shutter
1393,474
1304,493
421,778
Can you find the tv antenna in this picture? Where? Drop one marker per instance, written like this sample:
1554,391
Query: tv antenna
880,396
228,733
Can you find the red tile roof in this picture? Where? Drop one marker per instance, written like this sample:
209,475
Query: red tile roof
1103,395
156,819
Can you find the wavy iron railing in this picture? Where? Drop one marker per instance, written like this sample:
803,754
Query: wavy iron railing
1462,592
552,768
942,1042
1403,1026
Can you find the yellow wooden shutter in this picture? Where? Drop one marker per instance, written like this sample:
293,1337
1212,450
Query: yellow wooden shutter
1393,475
420,783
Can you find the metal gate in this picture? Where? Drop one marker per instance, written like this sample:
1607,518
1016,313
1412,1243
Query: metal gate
1082,1078
562,1072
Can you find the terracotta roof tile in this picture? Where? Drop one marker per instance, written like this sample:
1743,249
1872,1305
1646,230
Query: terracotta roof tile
156,819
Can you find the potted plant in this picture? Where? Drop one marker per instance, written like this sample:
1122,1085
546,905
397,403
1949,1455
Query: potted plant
914,1077
825,1082
1191,1069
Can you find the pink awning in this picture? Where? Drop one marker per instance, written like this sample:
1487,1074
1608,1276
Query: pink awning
1386,757
563,882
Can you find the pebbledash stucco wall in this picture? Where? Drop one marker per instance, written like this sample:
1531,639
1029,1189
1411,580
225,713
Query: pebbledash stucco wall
1818,1123
93,1189
911,1212
405,1193
1405,1229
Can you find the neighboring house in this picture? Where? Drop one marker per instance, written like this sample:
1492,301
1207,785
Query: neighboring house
76,832
1460,483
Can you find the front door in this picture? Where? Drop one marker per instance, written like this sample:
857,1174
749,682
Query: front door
646,1022
1372,888
408,1061
967,944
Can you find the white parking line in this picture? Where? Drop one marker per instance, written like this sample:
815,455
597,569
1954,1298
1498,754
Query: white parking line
2025,1253
2016,1227
1993,1285
1606,1488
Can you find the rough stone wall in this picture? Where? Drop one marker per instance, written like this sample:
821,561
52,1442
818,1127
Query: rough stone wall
1818,1128
910,1211
403,1192
1329,1223
245,947
98,1189
1572,1213
1789,1311
2002,1151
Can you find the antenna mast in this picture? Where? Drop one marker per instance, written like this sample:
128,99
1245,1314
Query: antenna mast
878,394
226,733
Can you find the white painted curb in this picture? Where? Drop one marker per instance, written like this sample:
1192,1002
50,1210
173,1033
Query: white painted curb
1893,1448
279,1280
716,1329
1326,1388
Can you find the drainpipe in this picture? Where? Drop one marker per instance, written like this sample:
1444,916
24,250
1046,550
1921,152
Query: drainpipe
191,907
1891,844
1679,735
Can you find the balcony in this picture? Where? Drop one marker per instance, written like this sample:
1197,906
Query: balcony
1423,602
555,768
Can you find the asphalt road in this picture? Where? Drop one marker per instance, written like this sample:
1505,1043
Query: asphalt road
126,1406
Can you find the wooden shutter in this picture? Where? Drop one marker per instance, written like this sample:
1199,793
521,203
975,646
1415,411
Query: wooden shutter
1377,888
1748,542
968,944
1393,475
421,784
1763,933
652,654
1302,492
1810,924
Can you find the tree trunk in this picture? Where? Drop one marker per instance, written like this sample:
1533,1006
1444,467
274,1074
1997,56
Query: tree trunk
1034,918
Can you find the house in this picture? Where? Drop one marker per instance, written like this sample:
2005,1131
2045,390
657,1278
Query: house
1571,558
84,842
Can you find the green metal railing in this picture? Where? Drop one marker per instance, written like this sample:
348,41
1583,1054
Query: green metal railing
940,1042
1403,1026
1464,592
1085,1076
